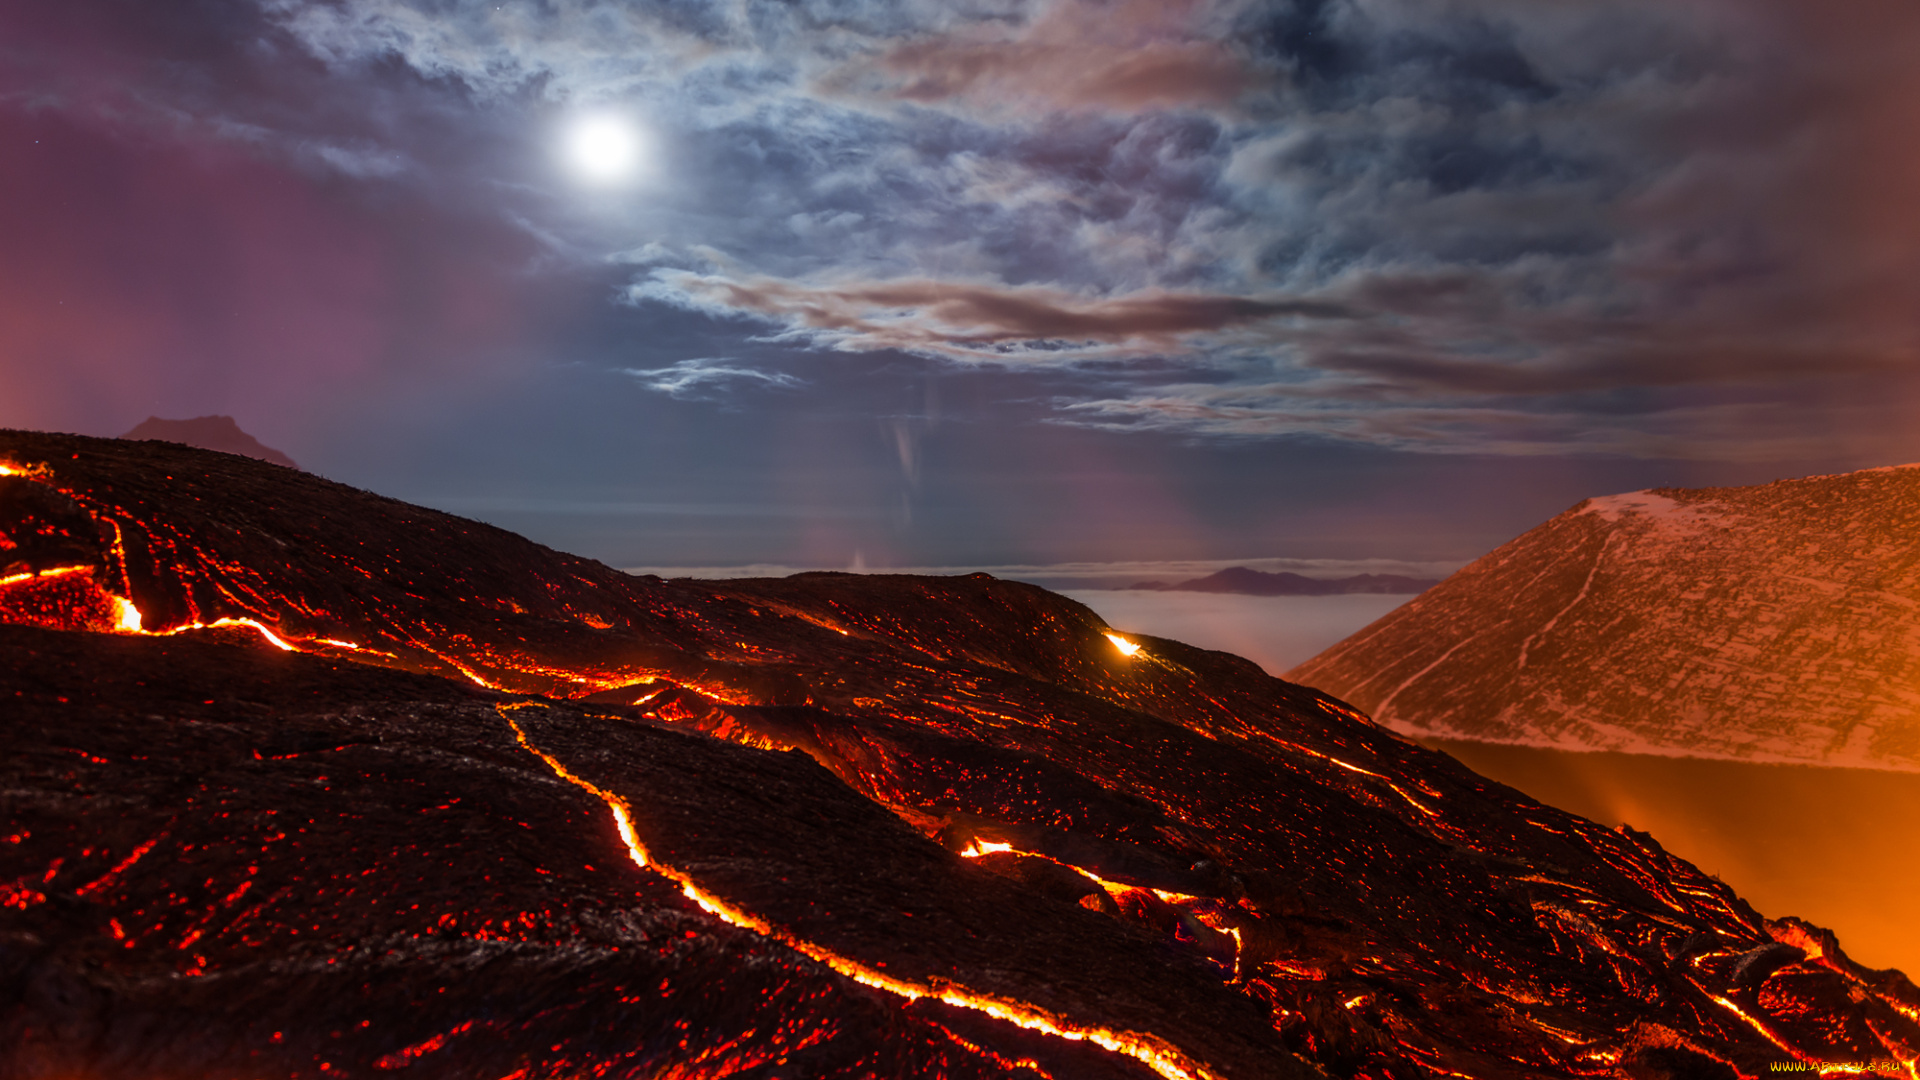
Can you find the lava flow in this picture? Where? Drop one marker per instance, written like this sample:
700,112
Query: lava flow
961,826
1155,1053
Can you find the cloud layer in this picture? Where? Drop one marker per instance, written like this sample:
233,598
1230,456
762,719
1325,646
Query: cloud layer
1652,229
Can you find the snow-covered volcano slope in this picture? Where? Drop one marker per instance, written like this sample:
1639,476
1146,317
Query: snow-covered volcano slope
1771,623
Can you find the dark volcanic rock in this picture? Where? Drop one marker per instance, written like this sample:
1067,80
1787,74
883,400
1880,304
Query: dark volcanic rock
321,865
1769,623
220,433
1172,853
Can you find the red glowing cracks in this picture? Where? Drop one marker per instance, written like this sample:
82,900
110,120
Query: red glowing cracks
1207,912
400,1059
71,598
1148,1049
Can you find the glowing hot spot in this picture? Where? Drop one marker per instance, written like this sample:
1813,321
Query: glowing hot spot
1127,648
128,620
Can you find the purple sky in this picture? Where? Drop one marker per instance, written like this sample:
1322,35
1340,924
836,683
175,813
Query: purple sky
976,283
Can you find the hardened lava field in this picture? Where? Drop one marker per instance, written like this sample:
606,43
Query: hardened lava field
301,781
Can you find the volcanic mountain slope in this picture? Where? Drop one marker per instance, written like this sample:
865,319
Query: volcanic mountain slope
1770,623
220,433
518,812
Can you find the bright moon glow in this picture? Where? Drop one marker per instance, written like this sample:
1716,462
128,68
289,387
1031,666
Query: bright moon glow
1127,648
603,149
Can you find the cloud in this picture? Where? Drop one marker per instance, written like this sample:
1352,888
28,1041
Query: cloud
977,321
1624,227
707,378
1743,432
571,48
1129,55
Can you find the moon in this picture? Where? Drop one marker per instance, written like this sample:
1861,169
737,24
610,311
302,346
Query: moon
604,149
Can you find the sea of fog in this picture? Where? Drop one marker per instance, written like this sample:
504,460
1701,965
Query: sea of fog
1276,632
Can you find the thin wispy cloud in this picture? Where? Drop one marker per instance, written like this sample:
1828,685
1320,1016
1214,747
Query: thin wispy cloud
704,378
970,320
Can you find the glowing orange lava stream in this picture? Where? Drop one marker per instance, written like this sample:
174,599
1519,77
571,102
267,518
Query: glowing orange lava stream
131,620
977,848
1150,1050
1116,889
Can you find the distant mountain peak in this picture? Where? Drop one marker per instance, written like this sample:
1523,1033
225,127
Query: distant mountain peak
1247,581
220,433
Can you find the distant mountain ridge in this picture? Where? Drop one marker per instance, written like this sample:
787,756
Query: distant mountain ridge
1767,623
220,433
1244,581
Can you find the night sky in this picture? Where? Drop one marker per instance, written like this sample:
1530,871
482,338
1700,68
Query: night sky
975,283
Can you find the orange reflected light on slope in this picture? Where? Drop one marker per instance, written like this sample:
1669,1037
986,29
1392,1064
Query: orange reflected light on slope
1150,1050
